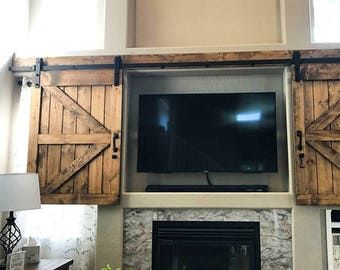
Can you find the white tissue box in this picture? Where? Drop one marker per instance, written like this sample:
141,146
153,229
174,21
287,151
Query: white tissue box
32,254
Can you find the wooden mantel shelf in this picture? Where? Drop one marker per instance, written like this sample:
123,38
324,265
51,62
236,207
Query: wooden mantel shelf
179,57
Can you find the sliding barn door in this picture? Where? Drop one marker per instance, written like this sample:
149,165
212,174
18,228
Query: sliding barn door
75,137
317,135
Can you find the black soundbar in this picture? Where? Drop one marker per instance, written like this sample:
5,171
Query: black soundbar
206,188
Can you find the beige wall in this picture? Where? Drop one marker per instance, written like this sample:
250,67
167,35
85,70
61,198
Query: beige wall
309,238
177,23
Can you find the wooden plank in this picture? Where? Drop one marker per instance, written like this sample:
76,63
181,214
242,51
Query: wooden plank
68,151
81,179
324,168
107,156
203,57
329,153
318,199
77,77
77,110
74,167
323,135
54,151
310,155
44,129
319,72
97,199
153,58
334,97
34,130
320,53
302,185
117,126
111,168
65,60
326,118
74,138
96,166
157,58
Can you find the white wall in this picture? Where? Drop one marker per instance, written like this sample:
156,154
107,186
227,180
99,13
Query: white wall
13,20
13,24
121,36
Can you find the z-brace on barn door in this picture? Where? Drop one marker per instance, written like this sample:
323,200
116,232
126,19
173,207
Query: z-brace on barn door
75,136
317,135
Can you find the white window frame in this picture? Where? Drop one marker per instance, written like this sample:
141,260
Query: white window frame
312,26
99,34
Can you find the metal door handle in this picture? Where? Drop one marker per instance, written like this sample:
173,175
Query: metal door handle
115,148
299,135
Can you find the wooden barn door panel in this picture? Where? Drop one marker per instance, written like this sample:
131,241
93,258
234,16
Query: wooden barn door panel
317,146
71,137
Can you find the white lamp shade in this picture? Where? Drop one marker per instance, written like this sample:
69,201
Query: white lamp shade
19,192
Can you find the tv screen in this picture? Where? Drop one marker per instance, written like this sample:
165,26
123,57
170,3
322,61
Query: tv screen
233,132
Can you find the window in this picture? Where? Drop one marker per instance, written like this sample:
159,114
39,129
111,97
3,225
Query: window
325,21
63,25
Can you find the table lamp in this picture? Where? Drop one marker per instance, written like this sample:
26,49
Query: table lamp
17,192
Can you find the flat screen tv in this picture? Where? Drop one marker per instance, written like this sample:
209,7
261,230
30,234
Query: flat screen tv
229,132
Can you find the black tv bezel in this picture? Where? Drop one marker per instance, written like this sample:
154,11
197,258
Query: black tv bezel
276,170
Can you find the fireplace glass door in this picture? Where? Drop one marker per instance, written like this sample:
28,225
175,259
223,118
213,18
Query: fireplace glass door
206,246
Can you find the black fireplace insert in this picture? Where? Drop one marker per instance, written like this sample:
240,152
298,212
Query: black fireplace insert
206,245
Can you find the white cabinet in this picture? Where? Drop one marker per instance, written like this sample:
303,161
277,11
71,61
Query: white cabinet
333,239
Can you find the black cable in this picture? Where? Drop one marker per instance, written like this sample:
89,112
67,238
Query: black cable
207,177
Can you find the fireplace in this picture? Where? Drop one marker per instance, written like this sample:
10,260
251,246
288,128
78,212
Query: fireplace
205,245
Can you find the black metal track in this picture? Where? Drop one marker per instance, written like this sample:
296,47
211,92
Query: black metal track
282,62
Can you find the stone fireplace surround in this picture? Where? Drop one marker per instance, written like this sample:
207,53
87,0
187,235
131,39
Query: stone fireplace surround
275,232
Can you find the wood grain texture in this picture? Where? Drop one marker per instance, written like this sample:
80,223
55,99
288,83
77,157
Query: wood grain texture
299,122
334,97
318,199
323,135
96,166
44,129
65,60
81,179
148,58
67,150
328,153
96,199
77,77
107,156
318,72
34,130
108,59
73,168
111,170
327,117
78,111
310,155
117,126
324,168
74,138
54,151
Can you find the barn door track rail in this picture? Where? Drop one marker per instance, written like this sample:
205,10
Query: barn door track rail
296,60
